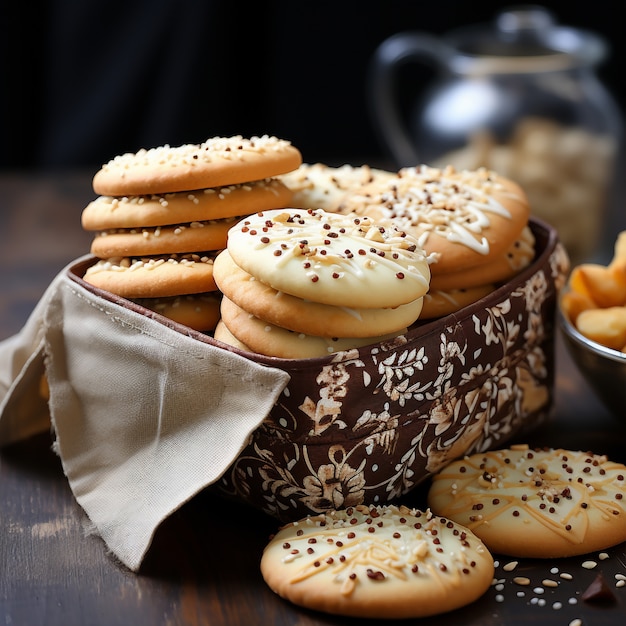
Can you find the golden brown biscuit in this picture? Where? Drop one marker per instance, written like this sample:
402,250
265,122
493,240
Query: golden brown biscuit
225,336
502,268
439,303
330,258
305,316
377,562
535,503
320,186
462,219
216,162
154,240
198,311
213,203
154,277
272,340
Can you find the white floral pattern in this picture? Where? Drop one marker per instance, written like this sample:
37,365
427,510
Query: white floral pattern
368,425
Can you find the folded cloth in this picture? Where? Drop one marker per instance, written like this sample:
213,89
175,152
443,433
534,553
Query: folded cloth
144,417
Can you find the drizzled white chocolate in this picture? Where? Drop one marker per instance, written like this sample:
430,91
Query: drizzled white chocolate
390,561
538,503
331,258
477,210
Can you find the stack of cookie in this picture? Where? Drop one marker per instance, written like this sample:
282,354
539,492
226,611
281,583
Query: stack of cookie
163,215
301,283
473,225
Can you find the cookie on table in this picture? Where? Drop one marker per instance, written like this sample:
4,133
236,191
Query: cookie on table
198,311
107,212
462,219
330,258
216,162
321,186
271,340
154,277
195,236
305,316
546,503
383,562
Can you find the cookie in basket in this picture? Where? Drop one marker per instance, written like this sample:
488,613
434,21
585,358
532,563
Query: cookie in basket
382,562
154,276
200,311
546,503
462,219
216,162
107,212
306,316
321,186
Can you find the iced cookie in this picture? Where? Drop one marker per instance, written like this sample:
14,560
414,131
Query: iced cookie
305,316
330,258
216,162
544,503
377,562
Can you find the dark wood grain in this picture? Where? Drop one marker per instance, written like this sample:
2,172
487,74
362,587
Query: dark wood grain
203,565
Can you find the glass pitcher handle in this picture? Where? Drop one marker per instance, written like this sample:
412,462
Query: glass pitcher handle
384,107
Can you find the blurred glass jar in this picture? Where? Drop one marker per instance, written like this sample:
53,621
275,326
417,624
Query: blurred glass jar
519,96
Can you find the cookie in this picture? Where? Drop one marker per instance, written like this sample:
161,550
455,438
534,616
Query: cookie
330,258
304,316
155,240
462,219
383,562
106,212
545,503
153,277
272,340
439,303
198,311
224,335
320,186
501,269
216,162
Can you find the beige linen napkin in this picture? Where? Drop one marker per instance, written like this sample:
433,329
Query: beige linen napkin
144,416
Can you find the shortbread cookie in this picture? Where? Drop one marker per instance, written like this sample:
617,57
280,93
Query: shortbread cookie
106,212
502,268
330,258
535,503
304,316
383,562
224,335
154,277
440,303
216,162
461,219
154,240
320,186
272,340
198,311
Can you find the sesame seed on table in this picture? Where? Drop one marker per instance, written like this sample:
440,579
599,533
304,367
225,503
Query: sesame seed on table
203,565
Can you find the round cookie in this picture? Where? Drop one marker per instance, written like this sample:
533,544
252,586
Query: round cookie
304,316
377,562
461,219
213,203
153,277
546,503
198,311
505,266
216,162
440,303
272,340
320,186
225,336
330,258
154,240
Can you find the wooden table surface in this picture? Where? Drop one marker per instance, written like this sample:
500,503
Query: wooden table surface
203,565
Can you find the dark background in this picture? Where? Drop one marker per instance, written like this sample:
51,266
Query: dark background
84,80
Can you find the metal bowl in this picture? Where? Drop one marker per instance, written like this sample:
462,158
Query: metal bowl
603,368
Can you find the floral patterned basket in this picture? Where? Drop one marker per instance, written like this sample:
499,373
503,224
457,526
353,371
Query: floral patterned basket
370,424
